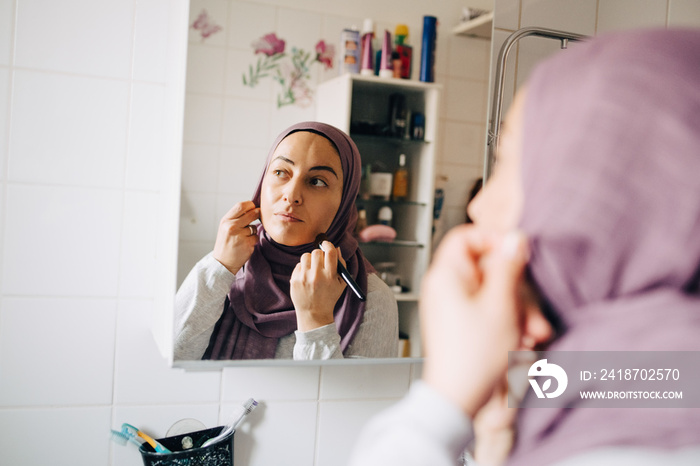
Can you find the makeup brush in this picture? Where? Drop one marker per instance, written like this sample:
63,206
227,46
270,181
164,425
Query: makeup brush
342,271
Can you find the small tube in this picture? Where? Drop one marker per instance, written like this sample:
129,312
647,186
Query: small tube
367,68
386,69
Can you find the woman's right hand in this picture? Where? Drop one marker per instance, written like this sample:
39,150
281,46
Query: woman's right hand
235,240
471,314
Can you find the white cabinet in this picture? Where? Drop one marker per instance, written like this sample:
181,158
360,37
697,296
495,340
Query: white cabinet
360,106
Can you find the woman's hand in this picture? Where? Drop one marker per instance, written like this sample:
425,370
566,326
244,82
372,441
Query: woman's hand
316,287
471,314
235,239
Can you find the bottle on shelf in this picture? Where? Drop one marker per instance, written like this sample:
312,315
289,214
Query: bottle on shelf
385,215
400,189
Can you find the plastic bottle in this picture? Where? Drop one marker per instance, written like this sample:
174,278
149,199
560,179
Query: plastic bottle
361,223
404,50
400,191
385,215
367,52
427,55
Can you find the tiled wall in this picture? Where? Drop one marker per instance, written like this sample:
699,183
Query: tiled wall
83,97
84,153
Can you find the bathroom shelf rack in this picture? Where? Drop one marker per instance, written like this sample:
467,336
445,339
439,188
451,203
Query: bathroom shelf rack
354,101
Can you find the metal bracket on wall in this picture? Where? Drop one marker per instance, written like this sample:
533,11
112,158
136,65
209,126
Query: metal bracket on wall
497,104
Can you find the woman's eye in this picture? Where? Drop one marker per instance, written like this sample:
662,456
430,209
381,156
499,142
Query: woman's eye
318,182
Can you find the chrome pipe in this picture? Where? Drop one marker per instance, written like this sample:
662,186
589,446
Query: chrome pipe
497,104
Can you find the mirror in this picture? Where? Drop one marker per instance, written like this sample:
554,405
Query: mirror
237,101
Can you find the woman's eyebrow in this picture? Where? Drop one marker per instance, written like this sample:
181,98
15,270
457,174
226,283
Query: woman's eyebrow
324,167
316,167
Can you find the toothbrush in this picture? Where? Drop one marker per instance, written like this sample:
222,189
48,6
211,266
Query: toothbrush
121,438
248,407
133,432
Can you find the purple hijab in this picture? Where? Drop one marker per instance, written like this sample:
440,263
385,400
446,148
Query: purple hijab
259,309
611,178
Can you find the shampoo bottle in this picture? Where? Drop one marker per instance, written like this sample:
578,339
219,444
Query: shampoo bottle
404,50
367,68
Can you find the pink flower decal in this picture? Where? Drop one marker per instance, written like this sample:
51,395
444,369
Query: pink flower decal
325,53
269,45
291,70
205,25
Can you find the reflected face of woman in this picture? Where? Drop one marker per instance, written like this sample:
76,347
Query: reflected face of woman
301,189
499,205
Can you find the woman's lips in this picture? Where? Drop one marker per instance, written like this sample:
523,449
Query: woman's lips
287,217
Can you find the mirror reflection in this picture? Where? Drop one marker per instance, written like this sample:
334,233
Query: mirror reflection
278,282
253,72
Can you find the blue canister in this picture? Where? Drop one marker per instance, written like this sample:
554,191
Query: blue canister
427,54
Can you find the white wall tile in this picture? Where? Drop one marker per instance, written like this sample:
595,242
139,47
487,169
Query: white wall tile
137,262
75,36
365,381
283,433
468,58
47,362
247,22
578,16
203,119
61,241
238,114
61,437
205,69
463,143
156,421
151,40
684,13
142,375
334,444
507,14
145,147
200,167
305,38
283,383
466,102
7,9
82,123
236,165
629,14
4,116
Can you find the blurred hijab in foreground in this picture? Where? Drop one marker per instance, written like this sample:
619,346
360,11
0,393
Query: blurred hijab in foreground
611,178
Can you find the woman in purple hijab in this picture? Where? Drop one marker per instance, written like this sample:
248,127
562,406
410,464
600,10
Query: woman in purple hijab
599,170
268,291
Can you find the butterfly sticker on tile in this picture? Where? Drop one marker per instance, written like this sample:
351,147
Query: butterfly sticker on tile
205,25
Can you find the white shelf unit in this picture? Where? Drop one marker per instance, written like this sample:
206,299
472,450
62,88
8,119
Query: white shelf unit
481,27
349,99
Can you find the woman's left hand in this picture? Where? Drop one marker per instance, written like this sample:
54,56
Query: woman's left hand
316,287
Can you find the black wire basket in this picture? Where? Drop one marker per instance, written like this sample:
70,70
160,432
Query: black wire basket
219,453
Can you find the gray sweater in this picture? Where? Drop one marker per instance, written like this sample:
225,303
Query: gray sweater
200,300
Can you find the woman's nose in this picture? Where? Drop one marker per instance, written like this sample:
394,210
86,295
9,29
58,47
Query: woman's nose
293,192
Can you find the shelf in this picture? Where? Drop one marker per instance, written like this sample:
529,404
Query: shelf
406,297
389,202
396,243
480,27
360,138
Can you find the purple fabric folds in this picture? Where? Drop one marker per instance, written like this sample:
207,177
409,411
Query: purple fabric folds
259,310
611,178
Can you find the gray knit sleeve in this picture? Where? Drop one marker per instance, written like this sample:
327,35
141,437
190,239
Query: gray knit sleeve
199,304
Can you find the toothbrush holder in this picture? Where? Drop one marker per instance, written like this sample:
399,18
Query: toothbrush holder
216,454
